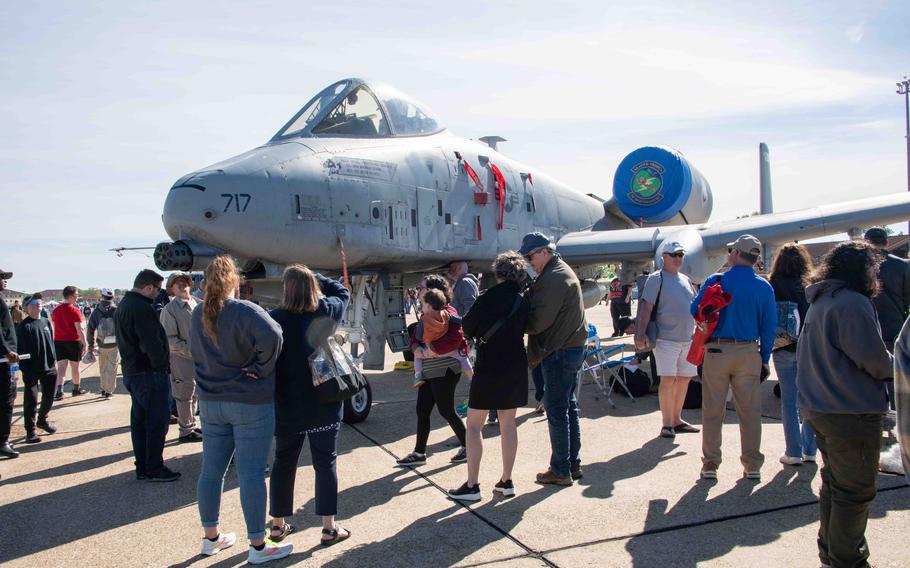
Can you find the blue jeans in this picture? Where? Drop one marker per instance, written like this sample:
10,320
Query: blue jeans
537,376
798,435
560,376
149,393
248,429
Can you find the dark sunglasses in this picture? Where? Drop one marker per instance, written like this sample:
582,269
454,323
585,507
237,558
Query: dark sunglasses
676,254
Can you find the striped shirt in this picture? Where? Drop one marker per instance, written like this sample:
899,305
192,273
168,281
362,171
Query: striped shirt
437,367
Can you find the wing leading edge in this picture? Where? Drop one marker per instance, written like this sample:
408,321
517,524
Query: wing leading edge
593,247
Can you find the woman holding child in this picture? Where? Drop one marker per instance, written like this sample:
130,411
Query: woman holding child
439,374
497,323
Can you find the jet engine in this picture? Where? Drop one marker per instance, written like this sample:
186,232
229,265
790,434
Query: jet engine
592,292
184,255
658,186
696,263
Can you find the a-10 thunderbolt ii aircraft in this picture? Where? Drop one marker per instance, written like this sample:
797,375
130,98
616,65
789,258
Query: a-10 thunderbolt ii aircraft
365,181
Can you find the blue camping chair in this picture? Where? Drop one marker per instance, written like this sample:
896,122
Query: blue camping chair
604,364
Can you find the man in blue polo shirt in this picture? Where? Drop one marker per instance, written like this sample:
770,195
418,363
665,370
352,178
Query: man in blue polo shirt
737,355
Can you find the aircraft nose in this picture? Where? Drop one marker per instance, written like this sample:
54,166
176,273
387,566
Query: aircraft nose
188,204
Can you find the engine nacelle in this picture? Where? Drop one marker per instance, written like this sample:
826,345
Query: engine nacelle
592,292
658,186
696,264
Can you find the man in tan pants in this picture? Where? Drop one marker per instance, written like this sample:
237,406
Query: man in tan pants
101,324
737,356
176,319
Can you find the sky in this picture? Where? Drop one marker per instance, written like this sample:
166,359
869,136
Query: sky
104,105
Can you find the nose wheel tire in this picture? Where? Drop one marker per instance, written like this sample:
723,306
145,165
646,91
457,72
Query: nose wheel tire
357,408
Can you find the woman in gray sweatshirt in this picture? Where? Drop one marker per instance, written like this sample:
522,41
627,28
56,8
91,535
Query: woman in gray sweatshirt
235,345
843,363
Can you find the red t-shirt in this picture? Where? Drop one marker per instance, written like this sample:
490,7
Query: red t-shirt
65,317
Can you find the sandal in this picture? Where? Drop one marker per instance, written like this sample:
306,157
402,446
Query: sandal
284,530
336,538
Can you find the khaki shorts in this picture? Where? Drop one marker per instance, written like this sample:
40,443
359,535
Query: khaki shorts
670,357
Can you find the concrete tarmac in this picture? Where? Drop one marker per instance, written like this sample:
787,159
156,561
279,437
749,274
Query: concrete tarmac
73,500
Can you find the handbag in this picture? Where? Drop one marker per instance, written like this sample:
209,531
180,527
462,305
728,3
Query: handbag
335,376
651,329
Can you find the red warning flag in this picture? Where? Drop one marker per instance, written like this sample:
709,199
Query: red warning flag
500,191
473,175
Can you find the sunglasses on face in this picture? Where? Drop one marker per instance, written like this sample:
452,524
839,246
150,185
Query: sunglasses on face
676,254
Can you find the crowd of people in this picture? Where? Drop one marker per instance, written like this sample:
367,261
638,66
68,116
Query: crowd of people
245,371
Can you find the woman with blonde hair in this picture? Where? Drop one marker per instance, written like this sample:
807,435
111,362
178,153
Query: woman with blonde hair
312,307
497,323
235,346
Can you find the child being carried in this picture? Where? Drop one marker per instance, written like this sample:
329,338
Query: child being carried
439,334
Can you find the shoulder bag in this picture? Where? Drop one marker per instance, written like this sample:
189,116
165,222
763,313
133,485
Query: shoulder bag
651,330
495,327
334,373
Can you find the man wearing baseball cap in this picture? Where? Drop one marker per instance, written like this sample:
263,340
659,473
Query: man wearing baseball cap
737,355
9,350
101,323
176,318
557,332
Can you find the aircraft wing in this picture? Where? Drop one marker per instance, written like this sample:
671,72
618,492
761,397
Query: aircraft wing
598,247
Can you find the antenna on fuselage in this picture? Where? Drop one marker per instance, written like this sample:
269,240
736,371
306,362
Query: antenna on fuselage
492,141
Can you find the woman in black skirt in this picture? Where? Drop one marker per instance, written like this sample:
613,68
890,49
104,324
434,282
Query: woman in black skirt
501,374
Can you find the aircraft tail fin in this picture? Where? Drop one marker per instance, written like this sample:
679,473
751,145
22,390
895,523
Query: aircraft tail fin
764,177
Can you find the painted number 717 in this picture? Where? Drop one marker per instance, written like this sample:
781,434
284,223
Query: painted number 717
239,201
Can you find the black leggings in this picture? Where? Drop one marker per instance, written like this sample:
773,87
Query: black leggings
441,394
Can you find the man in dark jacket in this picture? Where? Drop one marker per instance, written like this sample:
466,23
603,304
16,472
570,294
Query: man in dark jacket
557,332
9,350
144,358
39,371
893,300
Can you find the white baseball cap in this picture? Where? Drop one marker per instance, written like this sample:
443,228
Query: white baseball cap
673,246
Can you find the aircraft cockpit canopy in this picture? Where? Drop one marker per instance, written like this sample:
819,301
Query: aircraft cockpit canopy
353,109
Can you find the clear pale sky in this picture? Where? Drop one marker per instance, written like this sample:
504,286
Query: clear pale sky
103,104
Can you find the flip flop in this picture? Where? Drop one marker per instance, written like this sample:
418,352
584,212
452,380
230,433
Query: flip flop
336,538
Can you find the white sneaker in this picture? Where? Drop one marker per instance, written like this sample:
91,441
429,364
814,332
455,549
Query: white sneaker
790,460
808,458
269,553
225,540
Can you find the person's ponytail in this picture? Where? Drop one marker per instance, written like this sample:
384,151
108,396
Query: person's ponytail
221,279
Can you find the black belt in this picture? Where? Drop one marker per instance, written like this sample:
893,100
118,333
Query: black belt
728,340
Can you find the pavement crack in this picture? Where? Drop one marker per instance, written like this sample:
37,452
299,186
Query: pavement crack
536,554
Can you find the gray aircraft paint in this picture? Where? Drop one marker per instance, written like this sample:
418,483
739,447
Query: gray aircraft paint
404,203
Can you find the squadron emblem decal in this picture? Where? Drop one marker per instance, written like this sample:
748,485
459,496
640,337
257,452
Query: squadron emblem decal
647,183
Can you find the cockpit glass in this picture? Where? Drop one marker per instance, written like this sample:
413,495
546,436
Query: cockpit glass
358,114
314,109
408,117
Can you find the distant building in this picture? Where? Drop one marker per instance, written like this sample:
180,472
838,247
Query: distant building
897,245
12,296
52,295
